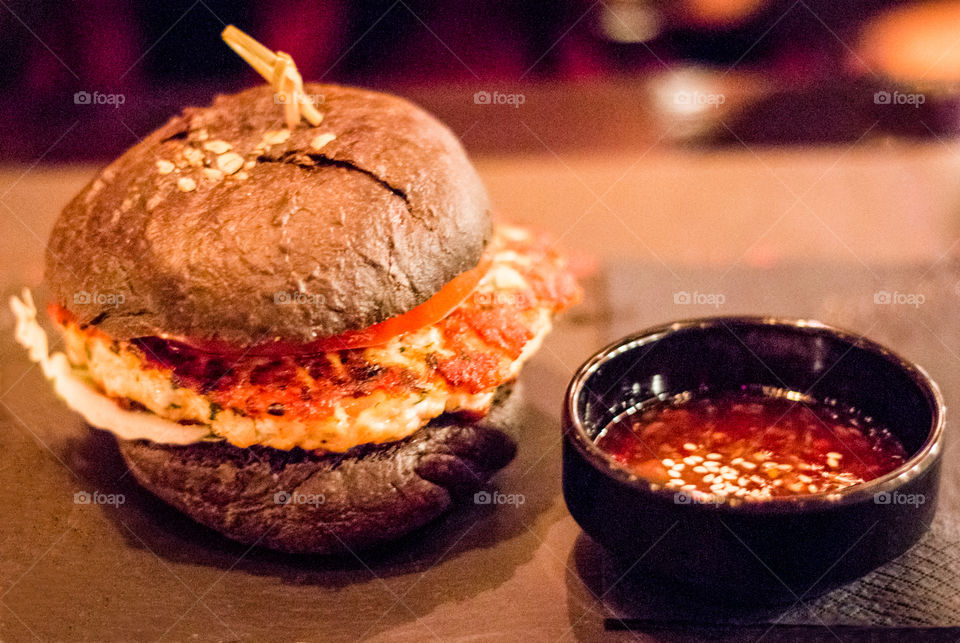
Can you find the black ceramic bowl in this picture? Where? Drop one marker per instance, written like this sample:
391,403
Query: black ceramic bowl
777,550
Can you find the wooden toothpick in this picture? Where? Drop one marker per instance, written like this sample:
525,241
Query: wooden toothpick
278,69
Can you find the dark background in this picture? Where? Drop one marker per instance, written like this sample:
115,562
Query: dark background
161,55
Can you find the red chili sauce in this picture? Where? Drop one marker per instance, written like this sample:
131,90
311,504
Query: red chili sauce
751,446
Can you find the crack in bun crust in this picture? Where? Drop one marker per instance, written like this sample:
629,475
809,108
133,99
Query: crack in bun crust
370,495
222,225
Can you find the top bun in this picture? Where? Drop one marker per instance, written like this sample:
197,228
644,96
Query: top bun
224,226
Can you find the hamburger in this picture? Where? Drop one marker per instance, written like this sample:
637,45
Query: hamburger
303,338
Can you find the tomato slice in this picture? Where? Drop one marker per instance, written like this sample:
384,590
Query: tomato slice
429,312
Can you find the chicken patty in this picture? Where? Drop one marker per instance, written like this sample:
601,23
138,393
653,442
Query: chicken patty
335,400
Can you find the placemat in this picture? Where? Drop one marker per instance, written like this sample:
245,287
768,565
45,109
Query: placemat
915,311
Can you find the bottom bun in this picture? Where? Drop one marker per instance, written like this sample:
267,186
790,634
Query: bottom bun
329,503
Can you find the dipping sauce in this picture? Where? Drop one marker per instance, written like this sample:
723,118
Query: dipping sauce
752,446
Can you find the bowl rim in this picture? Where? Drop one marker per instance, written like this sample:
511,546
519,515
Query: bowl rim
924,457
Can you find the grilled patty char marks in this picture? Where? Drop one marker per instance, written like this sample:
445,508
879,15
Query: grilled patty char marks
336,400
